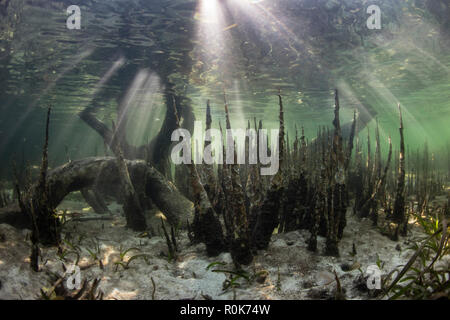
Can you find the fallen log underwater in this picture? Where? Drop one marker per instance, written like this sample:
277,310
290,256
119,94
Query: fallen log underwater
102,172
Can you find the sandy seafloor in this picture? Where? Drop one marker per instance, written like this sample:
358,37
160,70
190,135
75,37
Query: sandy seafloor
292,271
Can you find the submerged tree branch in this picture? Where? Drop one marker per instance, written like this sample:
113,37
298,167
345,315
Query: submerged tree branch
103,171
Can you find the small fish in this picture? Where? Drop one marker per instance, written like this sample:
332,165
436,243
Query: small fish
355,266
143,235
199,17
230,27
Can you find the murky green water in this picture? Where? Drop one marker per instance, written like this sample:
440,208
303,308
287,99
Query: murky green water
131,51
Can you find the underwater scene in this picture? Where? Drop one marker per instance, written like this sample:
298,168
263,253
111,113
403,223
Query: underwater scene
224,150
